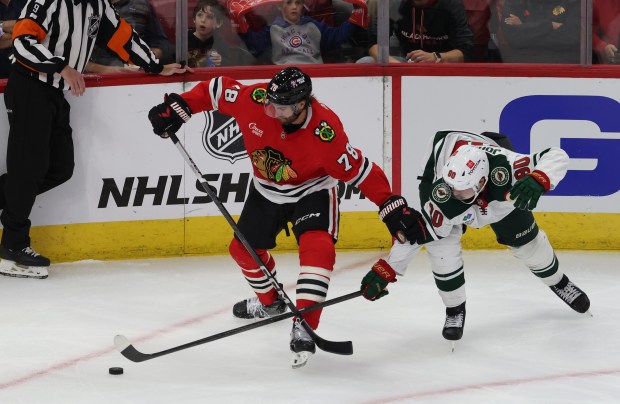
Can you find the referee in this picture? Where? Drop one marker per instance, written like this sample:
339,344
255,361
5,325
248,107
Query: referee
53,40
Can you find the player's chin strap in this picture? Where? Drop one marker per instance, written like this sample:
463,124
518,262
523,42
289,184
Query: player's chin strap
336,347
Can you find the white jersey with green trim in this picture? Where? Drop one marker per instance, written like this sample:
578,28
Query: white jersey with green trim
442,212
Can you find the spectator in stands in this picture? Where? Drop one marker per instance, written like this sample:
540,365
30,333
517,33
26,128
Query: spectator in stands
541,31
497,41
428,31
478,17
141,16
606,31
9,12
205,48
293,38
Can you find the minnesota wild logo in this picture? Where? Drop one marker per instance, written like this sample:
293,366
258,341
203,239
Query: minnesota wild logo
273,165
499,176
441,192
258,95
325,132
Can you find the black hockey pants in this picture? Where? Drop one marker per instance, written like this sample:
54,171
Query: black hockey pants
39,152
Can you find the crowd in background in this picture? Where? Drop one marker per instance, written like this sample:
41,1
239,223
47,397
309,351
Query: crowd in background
255,32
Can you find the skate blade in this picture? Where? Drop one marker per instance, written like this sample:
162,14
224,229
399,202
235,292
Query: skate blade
300,359
10,268
452,345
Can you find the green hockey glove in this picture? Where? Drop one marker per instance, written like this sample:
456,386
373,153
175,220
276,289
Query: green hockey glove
527,191
376,280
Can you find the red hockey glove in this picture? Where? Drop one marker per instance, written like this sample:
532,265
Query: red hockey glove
403,222
359,16
376,280
527,191
170,115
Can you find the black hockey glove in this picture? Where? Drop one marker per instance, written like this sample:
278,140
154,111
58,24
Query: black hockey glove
376,280
170,115
527,191
403,222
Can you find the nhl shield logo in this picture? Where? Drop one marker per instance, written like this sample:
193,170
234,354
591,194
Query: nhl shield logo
93,26
222,137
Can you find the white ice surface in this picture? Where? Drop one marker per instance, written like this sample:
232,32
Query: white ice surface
521,343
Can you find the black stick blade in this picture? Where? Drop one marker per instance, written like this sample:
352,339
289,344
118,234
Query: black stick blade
335,347
128,351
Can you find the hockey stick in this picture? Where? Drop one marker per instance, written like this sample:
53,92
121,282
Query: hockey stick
130,352
336,347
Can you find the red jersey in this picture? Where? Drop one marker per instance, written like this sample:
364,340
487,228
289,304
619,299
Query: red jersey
289,166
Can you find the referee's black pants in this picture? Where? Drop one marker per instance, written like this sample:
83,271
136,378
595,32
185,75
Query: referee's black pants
39,152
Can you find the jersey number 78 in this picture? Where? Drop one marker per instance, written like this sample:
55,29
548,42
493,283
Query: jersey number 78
344,158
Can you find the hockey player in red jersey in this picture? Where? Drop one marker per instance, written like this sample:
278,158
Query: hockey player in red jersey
469,180
299,151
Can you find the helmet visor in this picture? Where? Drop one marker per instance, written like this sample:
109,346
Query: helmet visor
279,111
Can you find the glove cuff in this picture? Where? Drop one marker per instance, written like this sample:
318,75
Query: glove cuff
384,270
179,105
391,205
542,179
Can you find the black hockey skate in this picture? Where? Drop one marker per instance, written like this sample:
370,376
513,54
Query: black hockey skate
302,346
572,295
455,321
253,308
24,263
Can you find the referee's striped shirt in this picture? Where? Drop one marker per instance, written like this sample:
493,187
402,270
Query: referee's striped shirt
51,34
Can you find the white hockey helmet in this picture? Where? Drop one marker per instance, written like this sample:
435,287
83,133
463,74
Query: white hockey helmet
465,168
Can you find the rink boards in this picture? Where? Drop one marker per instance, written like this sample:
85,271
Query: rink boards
133,196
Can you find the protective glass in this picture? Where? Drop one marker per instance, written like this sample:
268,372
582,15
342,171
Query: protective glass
279,111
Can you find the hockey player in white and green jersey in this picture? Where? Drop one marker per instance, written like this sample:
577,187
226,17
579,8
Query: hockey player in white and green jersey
469,180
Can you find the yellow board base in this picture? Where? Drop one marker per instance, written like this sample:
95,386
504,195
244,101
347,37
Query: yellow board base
211,236
566,231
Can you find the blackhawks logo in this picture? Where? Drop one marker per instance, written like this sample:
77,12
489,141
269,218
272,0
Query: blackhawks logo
273,165
499,176
325,132
441,192
258,95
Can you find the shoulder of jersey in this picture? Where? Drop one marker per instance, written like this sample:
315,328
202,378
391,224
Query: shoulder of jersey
257,92
441,197
325,124
440,192
500,173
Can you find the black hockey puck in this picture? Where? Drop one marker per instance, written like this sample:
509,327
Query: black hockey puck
116,371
